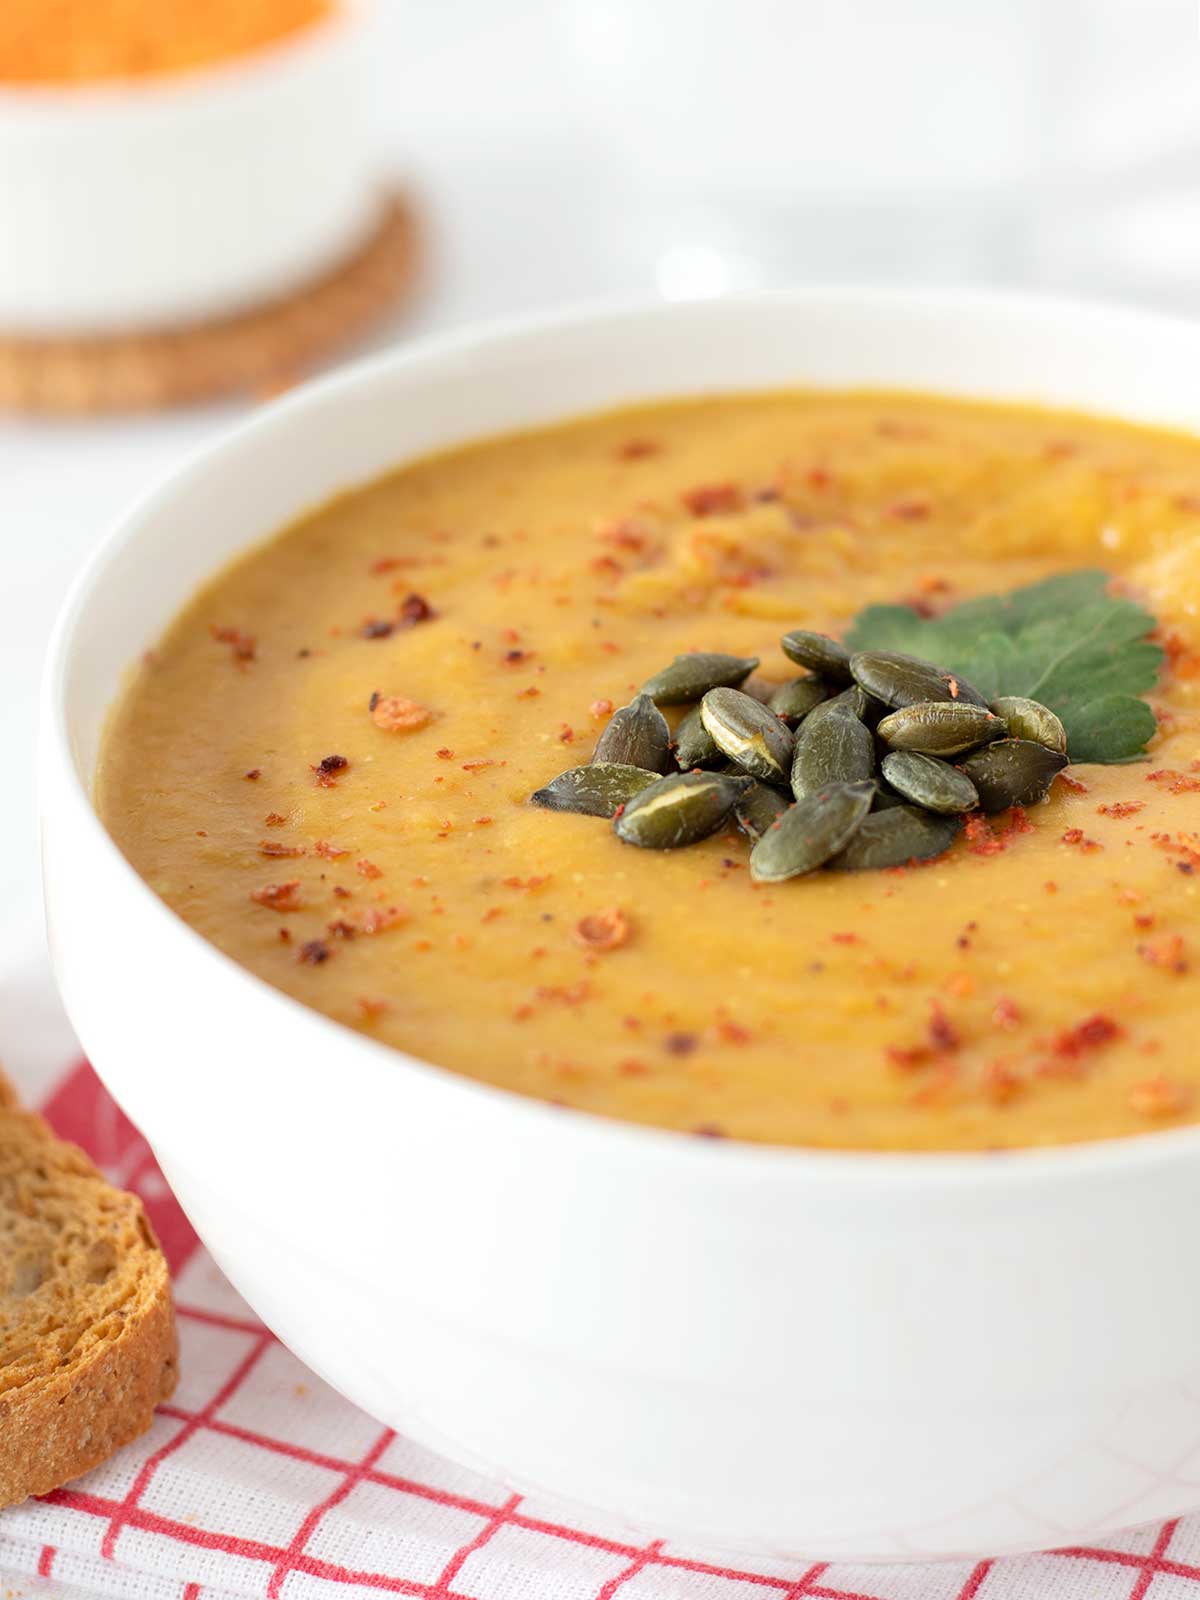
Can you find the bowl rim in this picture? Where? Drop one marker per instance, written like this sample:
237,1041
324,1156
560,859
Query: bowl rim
720,1159
56,104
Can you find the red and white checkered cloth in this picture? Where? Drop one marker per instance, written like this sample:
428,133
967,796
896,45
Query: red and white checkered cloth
258,1480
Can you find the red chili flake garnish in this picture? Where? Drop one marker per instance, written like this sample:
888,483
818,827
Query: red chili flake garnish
514,658
570,994
907,1057
394,714
846,938
285,935
730,1032
1174,782
566,733
924,608
602,930
1159,1096
1144,919
981,841
254,774
328,768
274,819
341,929
1076,836
371,1006
632,1068
329,852
492,913
368,869
600,708
478,766
637,449
1001,1082
709,1130
340,892
1069,781
1006,1013
1050,886
378,628
680,1044
445,754
1121,808
952,685
1169,952
386,564
415,608
943,1035
526,883
272,847
314,953
913,508
710,498
243,644
278,896
370,919
1091,1034
482,822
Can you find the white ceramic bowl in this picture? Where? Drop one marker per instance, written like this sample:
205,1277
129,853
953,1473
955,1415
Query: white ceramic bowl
188,196
776,1351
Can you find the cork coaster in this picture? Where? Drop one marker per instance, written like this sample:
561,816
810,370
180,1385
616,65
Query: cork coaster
255,352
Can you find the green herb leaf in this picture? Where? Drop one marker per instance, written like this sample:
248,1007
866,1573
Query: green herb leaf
1066,642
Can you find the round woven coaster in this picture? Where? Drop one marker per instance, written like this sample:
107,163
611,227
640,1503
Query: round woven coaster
257,351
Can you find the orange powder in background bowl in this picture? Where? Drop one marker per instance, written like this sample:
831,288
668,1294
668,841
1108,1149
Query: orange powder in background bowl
63,42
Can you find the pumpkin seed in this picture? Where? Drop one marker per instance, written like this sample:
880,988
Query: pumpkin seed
900,680
1013,772
894,837
758,689
694,745
680,809
748,733
758,808
818,652
593,791
793,701
832,746
1030,719
940,727
885,799
930,783
637,736
690,677
811,832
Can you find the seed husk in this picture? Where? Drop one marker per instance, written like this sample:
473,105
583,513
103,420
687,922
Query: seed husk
597,790
680,809
940,727
832,746
689,677
894,837
694,745
793,701
748,733
1013,772
811,832
902,680
930,783
758,808
818,652
1030,719
637,736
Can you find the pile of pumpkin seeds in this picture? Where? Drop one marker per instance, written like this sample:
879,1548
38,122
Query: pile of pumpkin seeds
866,760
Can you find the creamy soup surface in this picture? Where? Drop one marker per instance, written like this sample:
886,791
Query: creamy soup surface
1036,985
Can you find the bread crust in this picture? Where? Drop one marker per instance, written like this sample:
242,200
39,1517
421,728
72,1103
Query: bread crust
88,1344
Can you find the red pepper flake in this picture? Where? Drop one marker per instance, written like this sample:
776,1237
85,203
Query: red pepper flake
630,1067
730,1032
370,1007
415,608
1076,836
527,884
1001,1082
368,869
846,938
1006,1013
637,449
1050,886
243,644
377,628
1093,1033
1169,952
907,1057
710,498
1069,781
943,1035
568,994
1144,919
329,852
478,766
313,953
1174,782
274,819
914,508
566,733
386,564
981,841
680,1044
340,892
1159,1096
272,847
709,1130
327,770
531,693
482,822
602,930
514,658
253,775
394,714
492,913
600,708
278,896
369,919
446,754
1121,808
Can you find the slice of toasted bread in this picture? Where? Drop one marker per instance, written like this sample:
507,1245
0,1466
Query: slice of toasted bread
87,1327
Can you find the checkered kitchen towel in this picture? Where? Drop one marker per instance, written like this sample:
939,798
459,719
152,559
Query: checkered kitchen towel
258,1480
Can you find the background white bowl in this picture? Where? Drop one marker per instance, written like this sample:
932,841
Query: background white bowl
186,196
777,1351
